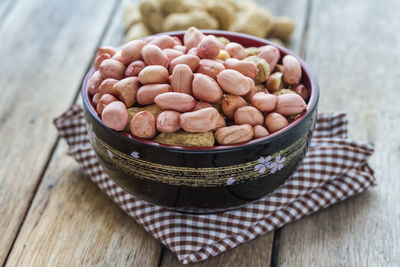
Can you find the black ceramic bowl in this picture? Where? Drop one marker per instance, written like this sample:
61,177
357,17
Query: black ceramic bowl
208,179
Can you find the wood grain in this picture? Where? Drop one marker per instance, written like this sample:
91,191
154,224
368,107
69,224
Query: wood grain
45,49
72,223
353,48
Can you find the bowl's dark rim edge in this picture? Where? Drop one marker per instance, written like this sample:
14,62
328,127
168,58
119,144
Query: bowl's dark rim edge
312,104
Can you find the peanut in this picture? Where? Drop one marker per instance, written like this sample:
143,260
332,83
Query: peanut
192,37
223,55
264,102
94,82
210,67
175,101
168,121
138,30
172,53
246,68
274,82
271,55
223,40
236,50
283,28
291,70
106,50
192,51
153,109
143,125
181,79
200,105
104,101
254,21
182,138
230,103
206,88
220,122
233,82
275,121
262,66
153,74
115,115
290,104
111,68
134,68
180,48
252,90
131,51
106,86
99,59
197,18
163,41
252,51
248,115
126,90
202,120
152,15
147,93
208,47
96,99
225,14
302,91
260,131
234,134
190,60
284,91
153,55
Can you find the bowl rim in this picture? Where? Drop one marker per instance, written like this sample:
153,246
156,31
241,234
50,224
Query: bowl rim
311,105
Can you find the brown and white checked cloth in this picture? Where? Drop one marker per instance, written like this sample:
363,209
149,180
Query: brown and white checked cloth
334,169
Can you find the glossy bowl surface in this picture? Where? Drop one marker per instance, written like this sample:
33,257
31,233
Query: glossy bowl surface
204,179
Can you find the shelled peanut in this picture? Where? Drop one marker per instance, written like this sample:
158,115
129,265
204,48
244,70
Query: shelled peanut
182,92
155,16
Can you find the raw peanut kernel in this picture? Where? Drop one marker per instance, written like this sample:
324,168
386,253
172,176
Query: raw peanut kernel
252,90
106,86
99,59
104,101
192,37
190,60
111,68
208,47
290,104
115,115
291,70
205,88
271,54
260,131
153,74
175,101
94,82
246,68
96,99
143,125
172,53
181,79
230,103
302,91
200,105
163,41
274,82
147,93
134,68
233,82
131,51
180,48
106,50
168,121
153,55
192,51
234,134
248,115
236,50
275,121
199,121
126,90
210,67
264,102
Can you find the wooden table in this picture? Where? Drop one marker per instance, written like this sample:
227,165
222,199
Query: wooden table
52,215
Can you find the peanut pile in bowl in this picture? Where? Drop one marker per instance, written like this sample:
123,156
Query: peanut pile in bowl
204,92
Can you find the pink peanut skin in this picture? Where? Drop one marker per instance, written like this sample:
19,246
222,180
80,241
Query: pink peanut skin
230,103
175,101
99,59
96,99
302,91
248,115
111,51
192,51
246,68
252,90
233,82
291,70
126,90
115,115
94,82
208,47
264,102
192,37
180,48
274,82
234,134
220,122
200,105
134,68
275,121
271,54
236,50
154,74
206,88
111,68
181,79
104,101
143,125
190,60
153,55
290,104
168,121
132,51
199,121
147,93
106,86
260,131
210,67
172,53
163,41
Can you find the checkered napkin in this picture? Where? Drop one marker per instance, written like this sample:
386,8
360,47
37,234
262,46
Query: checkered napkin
334,169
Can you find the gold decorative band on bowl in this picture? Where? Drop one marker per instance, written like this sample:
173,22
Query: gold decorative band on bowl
198,177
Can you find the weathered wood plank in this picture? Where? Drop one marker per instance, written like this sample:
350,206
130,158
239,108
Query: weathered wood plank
353,47
255,253
5,8
258,252
72,223
45,49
